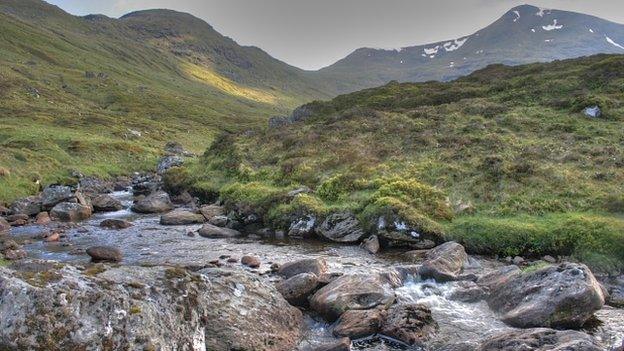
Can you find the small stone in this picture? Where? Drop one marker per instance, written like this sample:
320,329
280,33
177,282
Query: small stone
113,223
250,261
52,237
518,260
42,218
14,255
232,260
371,244
343,344
104,253
549,259
317,266
190,234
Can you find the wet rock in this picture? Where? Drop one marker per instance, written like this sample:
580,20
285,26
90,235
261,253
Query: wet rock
181,217
393,231
211,211
219,221
70,212
444,262
371,244
467,291
497,278
297,288
251,261
316,266
53,195
353,292
211,231
302,227
92,185
343,344
113,223
4,225
104,254
410,323
168,162
540,339
28,206
342,228
19,223
42,218
106,203
564,295
157,202
359,323
221,310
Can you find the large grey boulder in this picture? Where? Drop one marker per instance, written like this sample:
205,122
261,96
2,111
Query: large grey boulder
342,228
303,227
354,292
49,306
540,339
564,295
29,206
106,203
444,262
53,195
157,202
181,217
71,212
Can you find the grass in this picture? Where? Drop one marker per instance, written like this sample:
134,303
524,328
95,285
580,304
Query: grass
502,160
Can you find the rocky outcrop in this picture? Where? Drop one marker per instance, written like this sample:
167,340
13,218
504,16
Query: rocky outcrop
342,228
540,339
181,217
316,266
106,203
157,202
564,295
410,323
47,306
354,292
297,288
29,206
53,195
71,212
444,262
211,231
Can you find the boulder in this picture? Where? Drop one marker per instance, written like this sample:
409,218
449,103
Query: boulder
55,306
113,223
354,292
371,244
4,225
168,162
540,339
316,266
410,323
444,262
564,295
181,217
53,195
497,278
70,212
157,202
211,231
42,218
29,206
344,344
296,289
92,185
104,254
359,323
302,227
106,203
251,261
342,228
219,221
210,211
393,231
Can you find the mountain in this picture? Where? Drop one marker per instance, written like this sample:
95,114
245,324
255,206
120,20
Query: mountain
503,160
76,92
525,34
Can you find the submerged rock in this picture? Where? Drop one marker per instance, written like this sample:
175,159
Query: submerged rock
444,262
157,202
53,307
564,295
342,228
540,339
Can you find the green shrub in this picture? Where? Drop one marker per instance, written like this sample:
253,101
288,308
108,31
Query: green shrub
177,179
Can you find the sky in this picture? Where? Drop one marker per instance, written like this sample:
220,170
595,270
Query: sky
311,34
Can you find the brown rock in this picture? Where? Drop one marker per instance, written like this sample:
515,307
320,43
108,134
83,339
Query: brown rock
19,223
317,266
410,323
42,218
343,344
371,244
360,323
4,225
17,217
71,212
181,217
297,288
14,254
52,237
251,261
104,253
210,211
211,231
113,223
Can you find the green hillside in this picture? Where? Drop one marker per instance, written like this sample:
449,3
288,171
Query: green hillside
503,160
75,93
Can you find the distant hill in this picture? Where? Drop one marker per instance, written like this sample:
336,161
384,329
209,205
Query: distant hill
525,34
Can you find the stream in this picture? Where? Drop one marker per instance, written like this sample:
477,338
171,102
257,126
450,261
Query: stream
149,243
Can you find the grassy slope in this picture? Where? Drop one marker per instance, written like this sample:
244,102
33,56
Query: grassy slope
502,160
54,119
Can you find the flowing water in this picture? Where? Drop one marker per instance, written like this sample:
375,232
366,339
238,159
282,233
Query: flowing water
148,242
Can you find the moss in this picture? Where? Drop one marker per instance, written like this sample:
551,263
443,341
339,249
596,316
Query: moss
135,310
255,197
95,269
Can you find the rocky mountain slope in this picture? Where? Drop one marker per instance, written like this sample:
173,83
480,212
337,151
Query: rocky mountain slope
525,34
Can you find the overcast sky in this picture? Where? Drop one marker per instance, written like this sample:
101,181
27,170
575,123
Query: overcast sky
315,33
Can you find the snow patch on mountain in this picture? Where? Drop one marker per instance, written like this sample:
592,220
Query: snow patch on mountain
542,12
610,41
433,50
553,26
591,30
517,16
455,44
